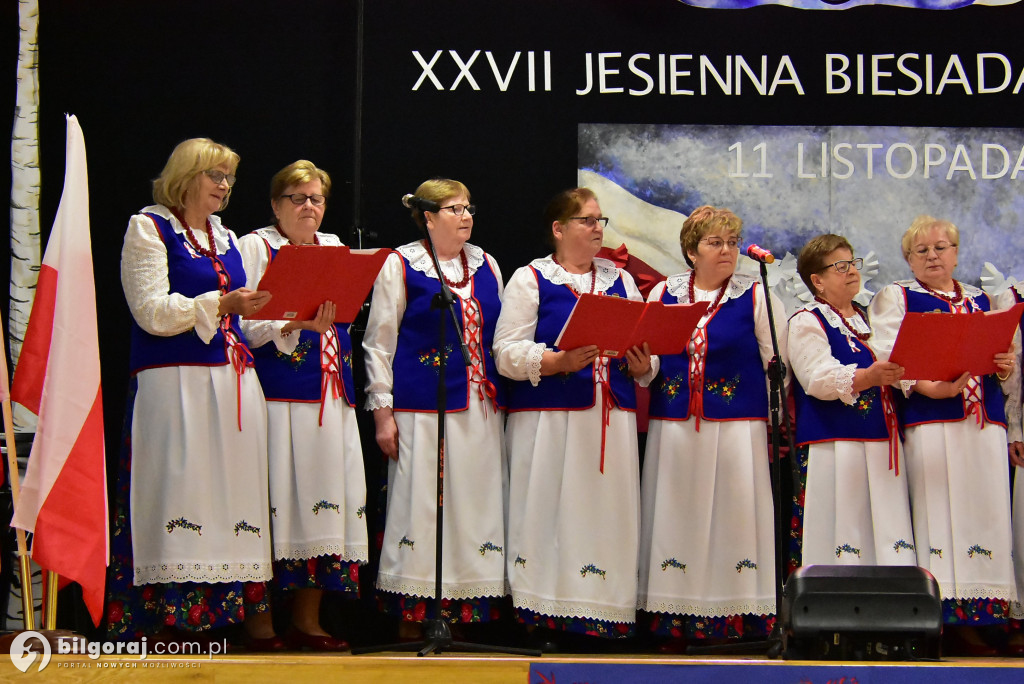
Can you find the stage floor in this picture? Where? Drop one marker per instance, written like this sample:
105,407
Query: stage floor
406,668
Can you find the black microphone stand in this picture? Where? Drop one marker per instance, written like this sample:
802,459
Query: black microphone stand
773,645
436,631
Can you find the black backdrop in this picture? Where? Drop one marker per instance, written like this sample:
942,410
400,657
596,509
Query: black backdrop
279,80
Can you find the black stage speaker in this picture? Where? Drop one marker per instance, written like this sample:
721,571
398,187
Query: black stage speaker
850,612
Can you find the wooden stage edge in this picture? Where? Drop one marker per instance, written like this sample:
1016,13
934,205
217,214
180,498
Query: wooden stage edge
388,668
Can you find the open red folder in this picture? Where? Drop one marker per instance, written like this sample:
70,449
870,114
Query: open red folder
942,346
303,278
616,324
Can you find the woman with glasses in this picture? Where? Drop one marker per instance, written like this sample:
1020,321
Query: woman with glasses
191,542
317,489
402,367
707,554
572,441
955,442
855,506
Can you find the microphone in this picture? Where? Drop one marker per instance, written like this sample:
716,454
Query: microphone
414,202
760,254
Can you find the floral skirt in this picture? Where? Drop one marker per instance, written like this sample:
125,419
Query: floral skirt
133,611
698,627
453,611
577,625
976,612
329,573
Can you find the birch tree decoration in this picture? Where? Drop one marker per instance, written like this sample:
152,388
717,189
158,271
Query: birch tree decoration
25,249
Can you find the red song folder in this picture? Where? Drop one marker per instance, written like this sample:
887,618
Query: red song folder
616,324
942,346
302,278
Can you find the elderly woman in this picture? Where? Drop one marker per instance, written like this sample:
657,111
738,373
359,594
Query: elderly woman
572,441
402,356
317,489
856,510
955,441
707,554
191,543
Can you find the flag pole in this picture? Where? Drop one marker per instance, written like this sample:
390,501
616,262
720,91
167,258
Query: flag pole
50,621
25,568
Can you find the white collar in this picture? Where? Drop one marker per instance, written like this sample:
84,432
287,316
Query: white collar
276,240
606,273
419,257
220,233
678,286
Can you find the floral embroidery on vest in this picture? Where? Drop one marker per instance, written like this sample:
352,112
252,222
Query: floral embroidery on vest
726,389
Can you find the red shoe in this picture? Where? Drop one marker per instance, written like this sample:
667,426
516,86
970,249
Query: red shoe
274,644
301,641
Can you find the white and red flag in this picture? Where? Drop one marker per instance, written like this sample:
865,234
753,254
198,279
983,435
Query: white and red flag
64,496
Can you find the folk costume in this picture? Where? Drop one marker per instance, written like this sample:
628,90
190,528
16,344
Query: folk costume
706,464
317,487
402,355
856,509
956,469
191,543
574,492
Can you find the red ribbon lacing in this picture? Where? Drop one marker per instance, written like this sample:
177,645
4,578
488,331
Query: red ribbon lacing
608,401
240,358
892,425
486,390
330,368
972,396
235,350
697,376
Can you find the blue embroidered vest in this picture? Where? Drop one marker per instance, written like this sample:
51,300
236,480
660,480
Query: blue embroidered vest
818,420
298,376
190,274
734,378
568,391
919,409
416,356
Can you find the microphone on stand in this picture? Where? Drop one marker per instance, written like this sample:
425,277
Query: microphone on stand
760,254
414,202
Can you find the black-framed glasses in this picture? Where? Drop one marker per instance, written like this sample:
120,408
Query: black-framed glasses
218,177
843,265
590,221
717,243
460,209
297,198
939,248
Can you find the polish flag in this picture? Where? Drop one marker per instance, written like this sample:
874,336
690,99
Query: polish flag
64,496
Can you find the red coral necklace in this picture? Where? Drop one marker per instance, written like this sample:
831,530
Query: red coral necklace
859,335
693,287
958,292
593,274
465,269
211,251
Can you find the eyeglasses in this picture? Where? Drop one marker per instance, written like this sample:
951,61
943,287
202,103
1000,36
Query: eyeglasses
460,209
718,243
218,177
939,248
590,221
298,199
843,265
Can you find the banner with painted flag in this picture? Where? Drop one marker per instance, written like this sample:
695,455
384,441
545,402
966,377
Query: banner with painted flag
64,496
